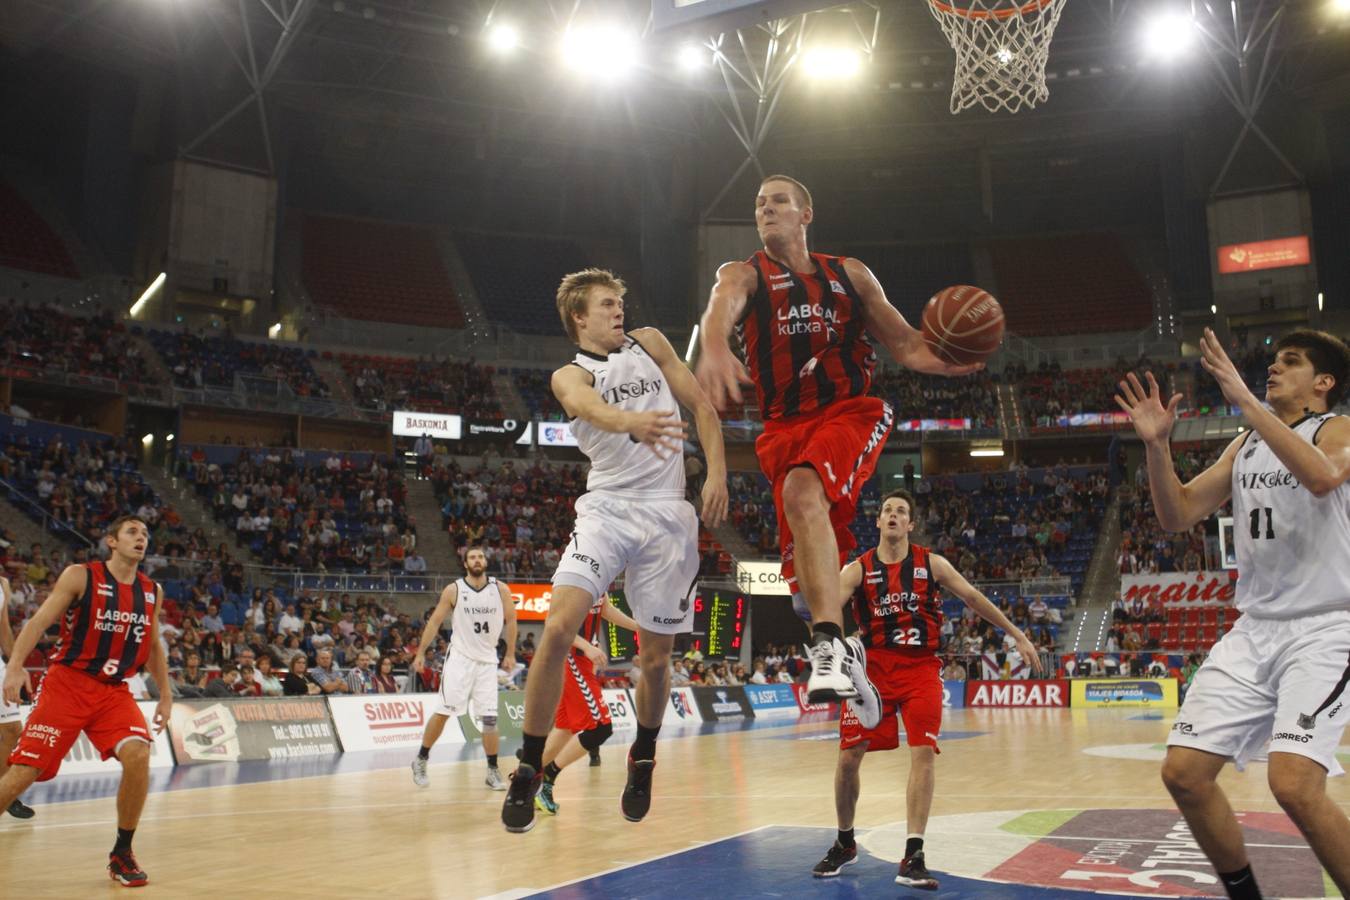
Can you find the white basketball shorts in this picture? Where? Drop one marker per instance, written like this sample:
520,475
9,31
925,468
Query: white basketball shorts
654,542
465,681
1277,680
8,712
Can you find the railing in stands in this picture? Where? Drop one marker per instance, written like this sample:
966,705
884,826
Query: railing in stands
50,523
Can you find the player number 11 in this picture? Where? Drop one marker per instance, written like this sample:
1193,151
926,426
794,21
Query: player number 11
1256,524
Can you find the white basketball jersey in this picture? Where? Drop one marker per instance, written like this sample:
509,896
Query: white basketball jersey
1293,548
631,380
477,622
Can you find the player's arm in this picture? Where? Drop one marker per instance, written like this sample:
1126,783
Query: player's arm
903,341
850,576
719,371
444,607
158,666
945,574
68,588
611,613
1321,466
659,429
692,397
6,633
508,627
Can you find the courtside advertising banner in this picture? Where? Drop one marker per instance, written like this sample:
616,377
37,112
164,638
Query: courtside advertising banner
379,721
762,579
228,730
83,759
1179,587
622,712
720,703
681,710
1158,692
953,694
510,717
556,434
415,424
531,600
830,710
1017,693
773,701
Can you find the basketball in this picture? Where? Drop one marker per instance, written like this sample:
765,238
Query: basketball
963,324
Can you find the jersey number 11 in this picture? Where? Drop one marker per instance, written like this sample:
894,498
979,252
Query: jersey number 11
1256,524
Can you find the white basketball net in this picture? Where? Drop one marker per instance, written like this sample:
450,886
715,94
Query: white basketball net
1001,47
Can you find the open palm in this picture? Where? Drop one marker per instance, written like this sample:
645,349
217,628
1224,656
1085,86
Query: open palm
1152,421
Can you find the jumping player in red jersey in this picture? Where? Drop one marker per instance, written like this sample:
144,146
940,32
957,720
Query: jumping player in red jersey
582,723
109,615
894,592
806,322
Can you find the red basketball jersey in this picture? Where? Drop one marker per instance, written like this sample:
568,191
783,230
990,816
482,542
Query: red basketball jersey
590,626
106,632
803,336
896,605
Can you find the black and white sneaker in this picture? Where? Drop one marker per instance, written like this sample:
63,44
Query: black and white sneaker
913,873
637,793
835,859
867,705
829,681
518,809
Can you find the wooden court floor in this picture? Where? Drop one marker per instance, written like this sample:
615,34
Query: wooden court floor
1029,803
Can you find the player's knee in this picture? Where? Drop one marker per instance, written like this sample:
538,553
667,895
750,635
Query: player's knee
489,724
592,738
1183,781
1297,788
803,493
134,754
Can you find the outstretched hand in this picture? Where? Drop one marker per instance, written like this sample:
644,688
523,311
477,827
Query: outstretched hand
1216,362
1152,421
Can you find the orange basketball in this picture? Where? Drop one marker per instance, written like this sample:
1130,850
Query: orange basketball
963,324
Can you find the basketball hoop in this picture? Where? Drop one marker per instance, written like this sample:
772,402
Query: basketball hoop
1001,47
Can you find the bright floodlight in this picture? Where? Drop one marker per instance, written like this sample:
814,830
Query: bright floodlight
693,57
1168,35
600,52
1340,7
832,62
503,38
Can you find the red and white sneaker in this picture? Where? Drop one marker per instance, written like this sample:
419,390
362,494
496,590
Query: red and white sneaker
122,868
913,873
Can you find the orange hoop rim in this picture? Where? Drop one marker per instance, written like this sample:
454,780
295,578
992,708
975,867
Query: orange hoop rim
952,9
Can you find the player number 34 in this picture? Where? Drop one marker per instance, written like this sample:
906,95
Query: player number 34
1256,524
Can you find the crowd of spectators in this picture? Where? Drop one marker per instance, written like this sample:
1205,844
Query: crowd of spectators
1050,392
340,515
1144,546
914,395
36,339
425,383
198,360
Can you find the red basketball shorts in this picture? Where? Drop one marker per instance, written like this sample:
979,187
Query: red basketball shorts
910,686
841,443
582,706
69,702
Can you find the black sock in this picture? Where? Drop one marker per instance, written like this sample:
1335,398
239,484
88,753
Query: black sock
123,840
532,753
824,631
492,760
912,846
644,746
1241,885
423,752
551,772
845,839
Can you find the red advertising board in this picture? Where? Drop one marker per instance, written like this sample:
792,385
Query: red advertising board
1017,693
1180,587
1276,254
531,600
799,690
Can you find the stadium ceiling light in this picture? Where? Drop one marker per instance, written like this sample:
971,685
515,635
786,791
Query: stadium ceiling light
693,335
692,57
147,439
149,292
832,62
1214,309
169,436
990,451
274,331
600,52
1168,35
503,38
1319,293
1340,7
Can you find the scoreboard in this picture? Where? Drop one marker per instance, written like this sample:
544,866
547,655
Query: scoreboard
719,625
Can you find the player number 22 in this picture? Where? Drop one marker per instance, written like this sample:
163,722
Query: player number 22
907,638
1256,524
